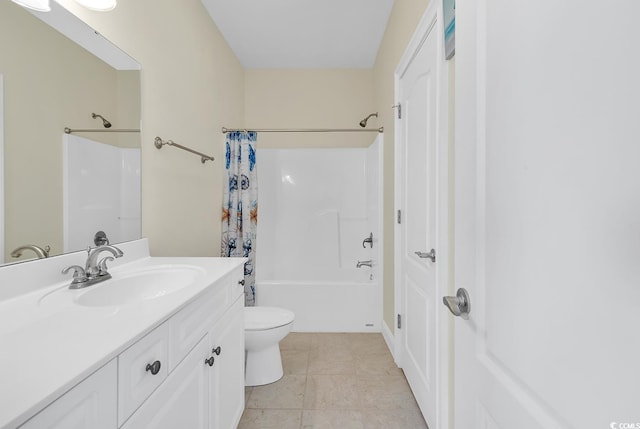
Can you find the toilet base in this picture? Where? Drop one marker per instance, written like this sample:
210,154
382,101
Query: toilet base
263,366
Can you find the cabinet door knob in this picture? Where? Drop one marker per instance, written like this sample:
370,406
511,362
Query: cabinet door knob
209,361
217,351
241,282
154,368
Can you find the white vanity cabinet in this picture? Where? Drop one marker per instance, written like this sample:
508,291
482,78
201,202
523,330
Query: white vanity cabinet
188,372
90,404
205,390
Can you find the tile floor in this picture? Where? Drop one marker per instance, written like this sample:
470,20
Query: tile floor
341,381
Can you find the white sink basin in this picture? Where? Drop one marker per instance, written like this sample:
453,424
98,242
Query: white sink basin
138,286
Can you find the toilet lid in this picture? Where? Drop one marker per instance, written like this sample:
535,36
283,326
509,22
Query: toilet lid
261,318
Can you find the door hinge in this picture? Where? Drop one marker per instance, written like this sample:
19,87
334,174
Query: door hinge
399,216
399,321
398,108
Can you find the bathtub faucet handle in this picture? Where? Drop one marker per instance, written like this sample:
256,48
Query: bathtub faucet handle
368,240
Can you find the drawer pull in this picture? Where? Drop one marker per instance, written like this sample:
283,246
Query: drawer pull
209,361
154,368
241,282
217,351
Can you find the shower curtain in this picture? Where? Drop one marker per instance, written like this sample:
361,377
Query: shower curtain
240,205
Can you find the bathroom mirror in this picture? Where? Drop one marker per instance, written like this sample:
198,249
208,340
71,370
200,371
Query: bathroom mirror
51,82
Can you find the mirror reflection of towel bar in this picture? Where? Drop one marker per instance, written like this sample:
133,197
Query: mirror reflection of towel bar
105,130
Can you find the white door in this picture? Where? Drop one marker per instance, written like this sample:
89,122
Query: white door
419,249
548,214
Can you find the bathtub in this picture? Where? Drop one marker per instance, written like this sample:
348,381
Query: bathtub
328,306
313,220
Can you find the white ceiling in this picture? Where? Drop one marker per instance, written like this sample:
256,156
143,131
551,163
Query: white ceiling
302,33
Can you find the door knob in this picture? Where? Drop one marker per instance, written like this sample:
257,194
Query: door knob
458,305
429,255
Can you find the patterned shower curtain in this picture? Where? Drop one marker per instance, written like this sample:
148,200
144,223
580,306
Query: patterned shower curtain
240,205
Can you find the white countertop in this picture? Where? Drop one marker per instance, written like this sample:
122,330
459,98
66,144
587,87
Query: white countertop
48,345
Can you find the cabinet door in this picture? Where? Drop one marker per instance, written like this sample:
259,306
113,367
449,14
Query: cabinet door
195,320
182,401
227,375
92,404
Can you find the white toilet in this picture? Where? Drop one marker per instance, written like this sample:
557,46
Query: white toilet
264,328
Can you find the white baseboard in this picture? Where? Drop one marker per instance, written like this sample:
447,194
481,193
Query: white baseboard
388,338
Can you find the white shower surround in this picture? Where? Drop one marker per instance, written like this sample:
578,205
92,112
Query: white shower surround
101,191
316,206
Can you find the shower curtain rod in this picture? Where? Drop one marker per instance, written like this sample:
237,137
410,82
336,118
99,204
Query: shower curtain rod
305,130
115,130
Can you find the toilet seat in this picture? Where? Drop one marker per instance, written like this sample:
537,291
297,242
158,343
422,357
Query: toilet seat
263,318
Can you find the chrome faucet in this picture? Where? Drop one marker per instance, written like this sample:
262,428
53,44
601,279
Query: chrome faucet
361,264
39,251
92,267
93,271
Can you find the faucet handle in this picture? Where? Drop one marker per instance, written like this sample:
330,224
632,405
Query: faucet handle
79,275
102,265
369,240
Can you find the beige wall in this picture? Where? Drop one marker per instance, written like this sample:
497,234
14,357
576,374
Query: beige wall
191,86
332,98
128,113
49,83
405,16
